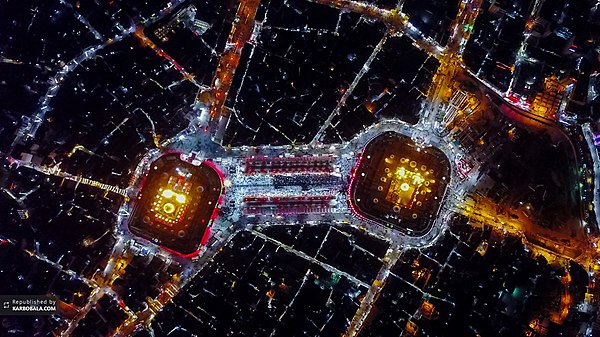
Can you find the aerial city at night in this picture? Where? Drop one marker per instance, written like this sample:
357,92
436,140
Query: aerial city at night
283,168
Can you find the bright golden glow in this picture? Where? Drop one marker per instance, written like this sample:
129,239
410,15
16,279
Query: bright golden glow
418,179
407,182
167,193
401,173
170,202
169,208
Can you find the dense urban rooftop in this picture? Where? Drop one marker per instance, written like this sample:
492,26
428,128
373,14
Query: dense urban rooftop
301,167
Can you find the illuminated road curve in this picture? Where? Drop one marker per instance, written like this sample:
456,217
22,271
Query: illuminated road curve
241,32
393,18
589,138
56,171
29,129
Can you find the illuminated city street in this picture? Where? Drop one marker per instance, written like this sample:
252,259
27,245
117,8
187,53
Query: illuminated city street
305,168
